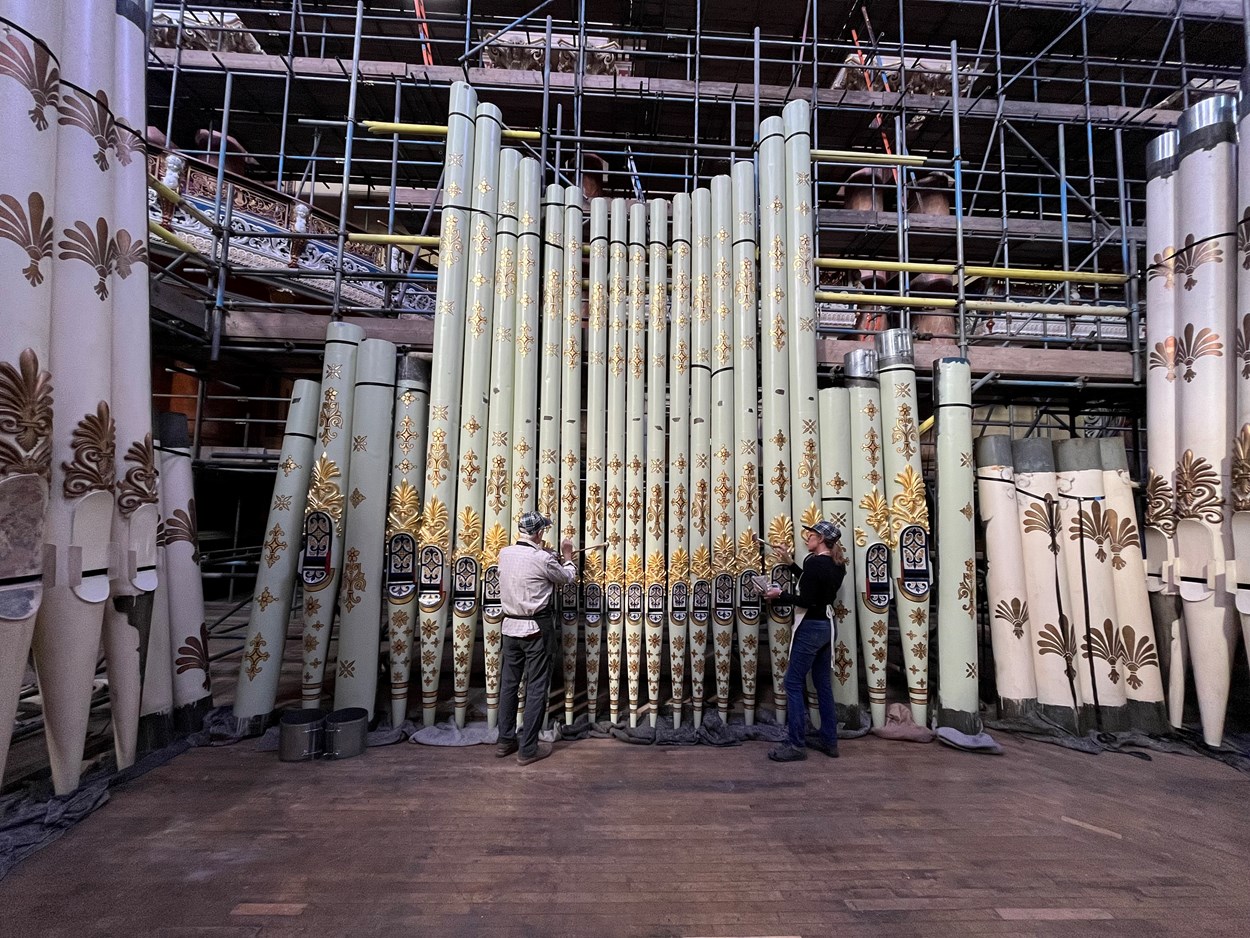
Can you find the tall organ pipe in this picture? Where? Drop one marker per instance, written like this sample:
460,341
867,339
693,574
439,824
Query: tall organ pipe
836,506
635,453
700,443
571,431
594,521
618,344
655,573
678,432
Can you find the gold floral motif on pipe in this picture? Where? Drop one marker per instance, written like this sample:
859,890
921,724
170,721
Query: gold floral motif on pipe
404,513
324,493
435,525
1197,490
138,486
909,505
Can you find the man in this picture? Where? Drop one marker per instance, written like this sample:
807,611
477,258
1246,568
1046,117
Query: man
528,576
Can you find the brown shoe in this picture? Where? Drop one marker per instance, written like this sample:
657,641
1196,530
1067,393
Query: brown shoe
542,752
506,748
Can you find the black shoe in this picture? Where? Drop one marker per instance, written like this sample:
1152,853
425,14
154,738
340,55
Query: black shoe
787,753
821,746
542,752
506,747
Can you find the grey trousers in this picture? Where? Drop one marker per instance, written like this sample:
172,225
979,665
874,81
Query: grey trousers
531,657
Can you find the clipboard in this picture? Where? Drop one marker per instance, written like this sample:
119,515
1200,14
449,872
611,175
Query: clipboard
761,583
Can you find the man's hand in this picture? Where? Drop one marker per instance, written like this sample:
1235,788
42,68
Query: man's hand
566,548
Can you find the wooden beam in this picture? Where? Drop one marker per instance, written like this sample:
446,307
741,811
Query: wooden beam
1016,362
249,325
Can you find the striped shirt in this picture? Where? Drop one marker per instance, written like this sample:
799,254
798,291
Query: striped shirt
528,576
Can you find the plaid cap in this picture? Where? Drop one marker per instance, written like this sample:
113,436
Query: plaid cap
533,521
828,531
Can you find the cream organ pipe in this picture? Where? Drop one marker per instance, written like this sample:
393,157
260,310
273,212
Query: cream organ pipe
594,520
1137,650
364,543
548,479
958,666
570,517
1087,531
801,241
256,691
1239,583
84,238
618,344
748,560
679,453
444,426
497,466
1206,246
700,443
777,517
526,359
870,524
656,515
27,207
1011,630
1161,396
1055,648
635,453
403,522
466,564
321,563
188,636
156,718
723,444
836,501
909,513
128,614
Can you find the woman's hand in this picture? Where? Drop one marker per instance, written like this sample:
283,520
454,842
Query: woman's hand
772,592
783,555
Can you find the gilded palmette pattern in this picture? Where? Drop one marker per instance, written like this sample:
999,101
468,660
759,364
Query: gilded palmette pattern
93,444
25,417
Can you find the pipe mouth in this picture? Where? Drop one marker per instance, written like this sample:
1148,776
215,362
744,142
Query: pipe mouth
860,364
894,347
1161,154
1207,123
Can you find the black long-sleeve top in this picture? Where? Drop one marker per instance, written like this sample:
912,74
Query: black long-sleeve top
818,584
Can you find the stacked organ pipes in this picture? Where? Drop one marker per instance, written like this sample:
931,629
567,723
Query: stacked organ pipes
1205,248
1070,625
1161,383
403,518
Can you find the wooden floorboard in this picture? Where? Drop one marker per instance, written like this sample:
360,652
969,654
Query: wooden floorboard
608,839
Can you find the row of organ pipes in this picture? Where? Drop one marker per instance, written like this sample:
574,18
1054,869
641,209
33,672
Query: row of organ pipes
645,374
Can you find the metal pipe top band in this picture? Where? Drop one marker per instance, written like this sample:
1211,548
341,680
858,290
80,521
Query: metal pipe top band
993,450
1114,457
1161,154
894,347
1209,122
1077,455
1033,454
860,364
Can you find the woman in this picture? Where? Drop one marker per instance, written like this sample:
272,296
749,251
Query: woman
810,647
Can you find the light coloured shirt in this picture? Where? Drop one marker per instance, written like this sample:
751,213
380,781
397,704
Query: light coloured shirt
528,575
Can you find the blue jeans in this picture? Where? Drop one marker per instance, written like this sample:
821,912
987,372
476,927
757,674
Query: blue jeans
810,651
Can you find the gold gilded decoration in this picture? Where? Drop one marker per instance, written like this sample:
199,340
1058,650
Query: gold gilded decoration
274,545
572,353
405,434
967,588
94,445
878,518
28,228
353,580
809,468
324,493
778,332
781,533
265,598
1197,490
615,570
678,566
26,417
404,513
744,283
1015,613
872,446
699,507
810,516
966,511
570,505
748,552
472,426
655,572
701,563
724,556
803,259
477,322
837,483
633,568
360,444
469,469
636,362
451,245
909,506
438,459
282,502
547,499
497,484
748,489
435,525
331,417
1163,265
1106,529
525,339
1043,518
496,540
723,349
334,371
469,534
1171,353
655,511
778,253
256,656
438,411
356,497
904,433
1193,255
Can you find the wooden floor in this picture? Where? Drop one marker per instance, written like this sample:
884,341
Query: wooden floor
607,839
